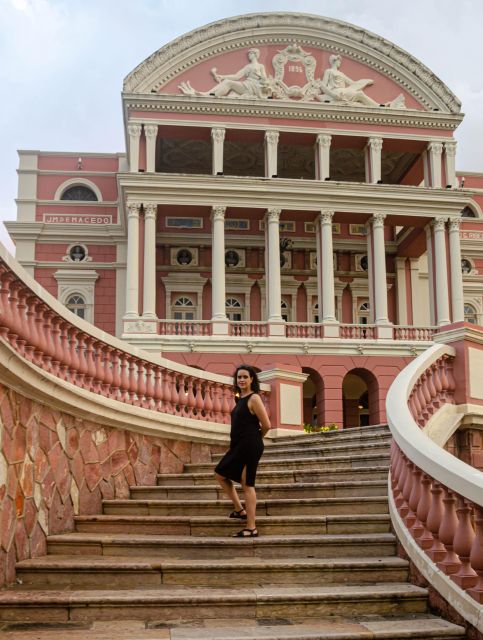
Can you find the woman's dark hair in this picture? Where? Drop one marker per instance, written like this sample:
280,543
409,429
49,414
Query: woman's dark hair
252,373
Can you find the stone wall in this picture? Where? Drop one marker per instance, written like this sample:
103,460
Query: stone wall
54,466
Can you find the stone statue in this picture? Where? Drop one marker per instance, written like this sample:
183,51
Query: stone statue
335,86
249,82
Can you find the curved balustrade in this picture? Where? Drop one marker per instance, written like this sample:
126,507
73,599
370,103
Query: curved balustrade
45,333
438,498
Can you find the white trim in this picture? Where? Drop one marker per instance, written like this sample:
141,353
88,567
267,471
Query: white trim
74,182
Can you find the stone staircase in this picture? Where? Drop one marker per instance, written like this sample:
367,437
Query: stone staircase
324,566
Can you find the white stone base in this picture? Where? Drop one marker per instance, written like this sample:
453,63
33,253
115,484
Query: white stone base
219,327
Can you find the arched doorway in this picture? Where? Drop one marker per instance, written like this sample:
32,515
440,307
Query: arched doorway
360,396
313,390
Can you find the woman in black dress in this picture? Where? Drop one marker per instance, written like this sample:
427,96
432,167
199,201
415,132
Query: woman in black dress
249,424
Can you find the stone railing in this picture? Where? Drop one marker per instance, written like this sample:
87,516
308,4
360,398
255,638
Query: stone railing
436,500
248,329
414,333
358,331
43,332
184,327
304,330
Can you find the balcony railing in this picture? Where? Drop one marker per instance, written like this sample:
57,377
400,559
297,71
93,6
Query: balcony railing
184,327
248,329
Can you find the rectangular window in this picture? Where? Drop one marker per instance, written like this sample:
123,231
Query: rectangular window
184,223
233,224
284,225
310,227
357,229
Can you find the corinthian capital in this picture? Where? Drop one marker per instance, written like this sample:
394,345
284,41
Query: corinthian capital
133,209
324,140
218,213
436,148
450,148
326,216
439,223
273,215
454,224
150,210
218,134
151,130
134,129
271,137
375,143
378,219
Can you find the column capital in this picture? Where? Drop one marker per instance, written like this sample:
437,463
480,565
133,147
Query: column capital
150,210
454,224
273,215
324,140
133,209
439,223
272,136
218,134
151,130
375,143
218,213
377,219
325,216
450,148
134,129
435,147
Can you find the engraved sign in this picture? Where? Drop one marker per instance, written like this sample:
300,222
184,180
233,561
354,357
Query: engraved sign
69,218
471,235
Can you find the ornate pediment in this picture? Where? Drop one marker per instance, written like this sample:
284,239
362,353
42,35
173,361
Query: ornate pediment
293,39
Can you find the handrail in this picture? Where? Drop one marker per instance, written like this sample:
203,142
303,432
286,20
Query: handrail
45,333
436,496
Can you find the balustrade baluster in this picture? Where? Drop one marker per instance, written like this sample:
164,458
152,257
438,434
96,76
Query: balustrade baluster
116,374
168,407
422,402
437,384
447,530
217,403
132,386
414,499
410,517
149,393
208,402
64,350
107,370
55,333
476,555
22,319
32,330
199,403
98,357
402,506
443,378
182,394
191,404
435,516
124,371
450,377
174,392
72,334
158,388
91,362
14,329
465,577
49,349
227,394
431,388
425,540
141,383
5,278
82,353
427,397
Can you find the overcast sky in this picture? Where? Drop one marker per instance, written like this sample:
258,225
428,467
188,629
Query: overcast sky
62,63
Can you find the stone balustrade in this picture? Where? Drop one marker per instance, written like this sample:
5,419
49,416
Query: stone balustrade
42,332
436,500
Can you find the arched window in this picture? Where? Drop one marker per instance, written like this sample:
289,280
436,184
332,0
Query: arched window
285,311
315,312
234,309
79,192
363,313
183,309
77,305
466,266
470,314
468,213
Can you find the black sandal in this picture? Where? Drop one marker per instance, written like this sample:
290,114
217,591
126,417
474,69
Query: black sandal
246,533
238,514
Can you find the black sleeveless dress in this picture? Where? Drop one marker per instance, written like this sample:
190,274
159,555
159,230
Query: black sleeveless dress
246,445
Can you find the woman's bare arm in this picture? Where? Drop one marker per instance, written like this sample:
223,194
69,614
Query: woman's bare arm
256,406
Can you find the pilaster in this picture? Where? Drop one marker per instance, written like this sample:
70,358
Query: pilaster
450,163
151,133
132,274
217,146
134,131
457,297
323,156
274,292
373,162
435,150
441,275
219,318
271,151
149,282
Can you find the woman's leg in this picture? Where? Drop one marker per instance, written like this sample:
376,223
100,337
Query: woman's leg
250,501
230,491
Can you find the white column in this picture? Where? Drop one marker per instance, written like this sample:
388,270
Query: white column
374,151
429,250
217,142
457,297
218,271
325,255
149,280
132,271
380,279
426,179
418,308
442,298
134,131
323,156
402,315
370,275
450,166
274,291
435,150
151,133
271,151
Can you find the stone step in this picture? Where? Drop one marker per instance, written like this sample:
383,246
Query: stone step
224,526
418,627
265,491
351,433
178,603
281,476
309,441
319,463
272,507
321,451
101,572
368,545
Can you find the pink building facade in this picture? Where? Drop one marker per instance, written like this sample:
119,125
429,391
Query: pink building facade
288,198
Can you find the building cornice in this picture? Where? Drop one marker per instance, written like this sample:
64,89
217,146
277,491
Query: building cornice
281,28
87,204
95,234
74,174
281,109
308,195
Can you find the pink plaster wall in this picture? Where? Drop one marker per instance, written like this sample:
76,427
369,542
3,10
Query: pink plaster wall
47,185
105,300
45,277
68,162
59,208
50,252
51,457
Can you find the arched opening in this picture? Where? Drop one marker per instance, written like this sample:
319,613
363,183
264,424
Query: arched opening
313,392
77,304
360,396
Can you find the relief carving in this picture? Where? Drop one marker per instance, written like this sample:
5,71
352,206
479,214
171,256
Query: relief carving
252,82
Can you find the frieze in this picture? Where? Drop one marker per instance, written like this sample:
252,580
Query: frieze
69,218
351,41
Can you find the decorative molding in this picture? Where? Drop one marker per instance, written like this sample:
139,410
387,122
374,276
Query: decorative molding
150,210
218,213
276,28
134,129
450,148
82,182
375,143
436,148
150,130
273,215
271,137
454,224
439,223
378,219
325,217
324,140
218,134
133,209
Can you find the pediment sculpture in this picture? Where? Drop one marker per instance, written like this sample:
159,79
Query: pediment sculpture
252,81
